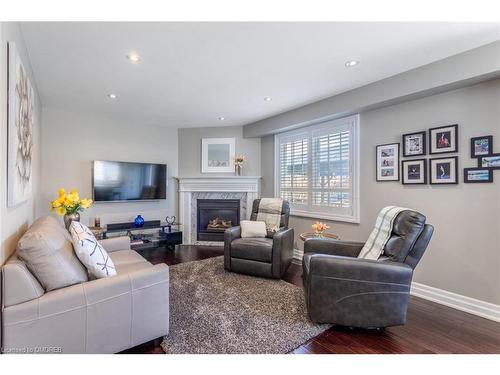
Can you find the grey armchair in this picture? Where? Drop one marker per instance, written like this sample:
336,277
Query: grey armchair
345,290
265,257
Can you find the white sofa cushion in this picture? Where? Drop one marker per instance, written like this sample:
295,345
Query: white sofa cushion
90,251
47,251
253,229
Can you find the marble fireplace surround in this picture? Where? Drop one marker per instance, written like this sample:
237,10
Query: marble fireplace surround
244,188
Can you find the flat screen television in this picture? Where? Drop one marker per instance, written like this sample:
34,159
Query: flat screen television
115,181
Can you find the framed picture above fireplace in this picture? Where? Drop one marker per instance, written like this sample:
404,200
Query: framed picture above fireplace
217,155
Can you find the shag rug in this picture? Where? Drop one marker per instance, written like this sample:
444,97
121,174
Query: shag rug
215,311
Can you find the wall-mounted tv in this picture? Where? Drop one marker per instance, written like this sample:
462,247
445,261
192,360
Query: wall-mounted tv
115,181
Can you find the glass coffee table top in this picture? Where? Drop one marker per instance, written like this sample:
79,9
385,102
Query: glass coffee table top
307,235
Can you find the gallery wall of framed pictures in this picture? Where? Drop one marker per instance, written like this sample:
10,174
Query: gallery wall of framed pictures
421,171
435,170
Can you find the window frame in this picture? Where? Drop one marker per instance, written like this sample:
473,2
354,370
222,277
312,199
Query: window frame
352,123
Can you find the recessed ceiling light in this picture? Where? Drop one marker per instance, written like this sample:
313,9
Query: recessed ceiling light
222,118
268,99
112,96
351,63
133,57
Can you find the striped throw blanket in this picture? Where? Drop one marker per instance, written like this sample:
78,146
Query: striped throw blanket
270,213
379,236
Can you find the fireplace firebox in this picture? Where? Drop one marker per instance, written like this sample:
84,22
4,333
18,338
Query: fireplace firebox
214,216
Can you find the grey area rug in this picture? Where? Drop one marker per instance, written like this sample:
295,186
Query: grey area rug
215,311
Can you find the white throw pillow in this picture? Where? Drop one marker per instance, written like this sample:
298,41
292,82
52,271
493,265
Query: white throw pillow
90,252
253,229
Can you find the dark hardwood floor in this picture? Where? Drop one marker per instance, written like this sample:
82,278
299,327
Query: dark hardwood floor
430,328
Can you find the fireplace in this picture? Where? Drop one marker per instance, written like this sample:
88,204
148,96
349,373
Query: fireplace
214,216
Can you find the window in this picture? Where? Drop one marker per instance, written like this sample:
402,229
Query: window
317,170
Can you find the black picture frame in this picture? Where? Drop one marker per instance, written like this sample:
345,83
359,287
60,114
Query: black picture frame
455,169
454,138
395,166
469,181
404,177
489,138
480,161
424,144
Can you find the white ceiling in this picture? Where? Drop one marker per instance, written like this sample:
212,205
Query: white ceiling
193,73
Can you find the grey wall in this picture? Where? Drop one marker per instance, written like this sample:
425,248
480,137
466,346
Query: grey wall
15,220
71,140
464,254
190,150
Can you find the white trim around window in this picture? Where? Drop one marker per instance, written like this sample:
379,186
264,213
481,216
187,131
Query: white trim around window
317,170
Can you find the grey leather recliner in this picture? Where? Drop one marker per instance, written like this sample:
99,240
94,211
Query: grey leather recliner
345,290
265,257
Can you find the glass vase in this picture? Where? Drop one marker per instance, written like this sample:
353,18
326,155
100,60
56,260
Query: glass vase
69,218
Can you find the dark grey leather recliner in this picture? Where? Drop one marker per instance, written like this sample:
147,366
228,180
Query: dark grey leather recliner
265,257
345,290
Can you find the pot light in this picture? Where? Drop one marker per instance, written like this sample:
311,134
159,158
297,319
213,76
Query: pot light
133,57
112,96
351,63
222,118
268,99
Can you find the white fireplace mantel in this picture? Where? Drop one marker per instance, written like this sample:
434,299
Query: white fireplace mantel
216,184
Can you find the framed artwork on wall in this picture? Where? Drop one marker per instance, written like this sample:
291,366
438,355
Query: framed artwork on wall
443,170
478,175
491,161
217,155
443,139
414,172
414,144
387,159
481,146
21,107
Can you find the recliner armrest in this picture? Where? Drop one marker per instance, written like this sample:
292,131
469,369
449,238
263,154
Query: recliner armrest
282,251
116,243
333,247
355,269
283,235
230,234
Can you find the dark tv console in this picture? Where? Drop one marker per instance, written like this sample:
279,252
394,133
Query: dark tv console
166,236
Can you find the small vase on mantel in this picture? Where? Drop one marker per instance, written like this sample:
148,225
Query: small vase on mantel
238,164
237,170
69,218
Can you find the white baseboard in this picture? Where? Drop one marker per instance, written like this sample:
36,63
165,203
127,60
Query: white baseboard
457,301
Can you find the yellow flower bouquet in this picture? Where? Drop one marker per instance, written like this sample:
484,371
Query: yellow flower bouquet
68,204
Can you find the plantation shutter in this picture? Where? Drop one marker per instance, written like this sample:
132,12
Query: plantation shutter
316,170
293,169
331,169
